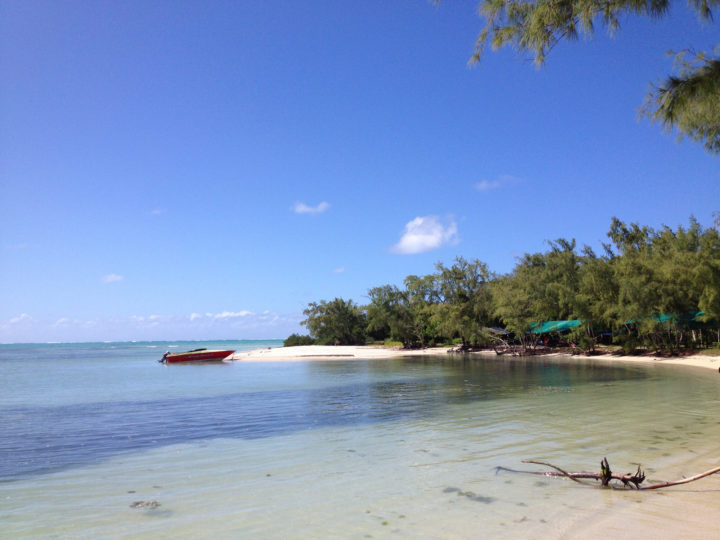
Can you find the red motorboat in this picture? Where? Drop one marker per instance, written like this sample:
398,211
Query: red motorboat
196,355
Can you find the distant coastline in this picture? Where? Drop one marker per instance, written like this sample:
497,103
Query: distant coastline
136,342
371,352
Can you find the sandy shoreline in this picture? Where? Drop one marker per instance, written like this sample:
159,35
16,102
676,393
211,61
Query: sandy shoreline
330,352
347,352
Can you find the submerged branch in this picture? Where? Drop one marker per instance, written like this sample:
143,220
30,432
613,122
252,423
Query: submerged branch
606,475
685,480
571,476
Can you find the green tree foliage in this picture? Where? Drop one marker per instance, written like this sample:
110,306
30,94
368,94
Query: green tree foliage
464,307
338,322
671,272
406,314
388,314
516,303
295,340
646,289
454,302
707,274
542,287
422,297
596,298
560,278
634,273
688,101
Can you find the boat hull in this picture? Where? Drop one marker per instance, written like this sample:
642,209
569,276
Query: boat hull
196,356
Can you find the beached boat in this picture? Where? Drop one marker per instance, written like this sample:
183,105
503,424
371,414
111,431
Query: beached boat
196,355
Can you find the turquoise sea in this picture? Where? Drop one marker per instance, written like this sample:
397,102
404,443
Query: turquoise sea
99,440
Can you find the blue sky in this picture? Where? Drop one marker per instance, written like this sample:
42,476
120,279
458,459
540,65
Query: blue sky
192,170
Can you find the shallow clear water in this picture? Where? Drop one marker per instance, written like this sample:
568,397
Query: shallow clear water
344,449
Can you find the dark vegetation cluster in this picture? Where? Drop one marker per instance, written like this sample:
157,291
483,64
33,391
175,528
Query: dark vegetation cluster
650,289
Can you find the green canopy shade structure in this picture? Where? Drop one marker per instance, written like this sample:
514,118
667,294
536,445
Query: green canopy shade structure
553,326
683,318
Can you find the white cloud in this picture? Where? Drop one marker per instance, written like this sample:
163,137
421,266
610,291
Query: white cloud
487,185
302,208
426,234
111,278
232,314
21,318
500,181
339,270
223,325
157,211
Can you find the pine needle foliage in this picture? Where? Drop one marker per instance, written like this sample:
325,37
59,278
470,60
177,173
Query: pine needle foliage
688,101
655,289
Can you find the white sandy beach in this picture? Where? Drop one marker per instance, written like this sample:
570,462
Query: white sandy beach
346,352
330,352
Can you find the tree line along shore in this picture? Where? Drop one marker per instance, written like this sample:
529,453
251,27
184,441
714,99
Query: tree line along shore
649,290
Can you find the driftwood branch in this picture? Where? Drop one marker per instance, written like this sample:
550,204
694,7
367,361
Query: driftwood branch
572,476
684,480
605,476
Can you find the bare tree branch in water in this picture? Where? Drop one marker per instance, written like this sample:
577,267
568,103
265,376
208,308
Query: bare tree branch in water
605,476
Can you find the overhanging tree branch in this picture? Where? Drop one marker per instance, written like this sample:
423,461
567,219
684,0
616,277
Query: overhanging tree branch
688,102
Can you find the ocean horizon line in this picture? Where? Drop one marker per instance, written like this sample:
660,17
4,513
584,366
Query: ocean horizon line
136,341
